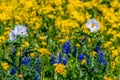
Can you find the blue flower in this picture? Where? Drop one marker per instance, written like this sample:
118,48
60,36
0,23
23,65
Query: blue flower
80,57
97,49
101,54
13,71
59,58
36,77
66,47
102,61
65,60
37,69
26,61
74,51
52,61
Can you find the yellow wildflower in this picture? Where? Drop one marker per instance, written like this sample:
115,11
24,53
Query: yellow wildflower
113,65
5,65
20,76
32,55
44,43
26,44
18,53
83,61
114,53
44,51
77,45
61,41
42,38
94,53
107,78
60,68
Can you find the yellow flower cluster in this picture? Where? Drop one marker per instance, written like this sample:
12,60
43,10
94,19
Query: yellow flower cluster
20,75
60,68
5,65
43,40
44,51
26,44
110,78
2,39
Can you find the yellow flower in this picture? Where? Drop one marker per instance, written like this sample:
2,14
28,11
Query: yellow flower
2,39
94,53
32,55
5,65
42,38
7,29
112,65
115,78
114,53
20,76
117,60
61,41
26,44
83,61
44,51
107,78
77,45
44,43
60,68
18,53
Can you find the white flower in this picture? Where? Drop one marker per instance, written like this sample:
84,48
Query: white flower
93,25
12,35
20,30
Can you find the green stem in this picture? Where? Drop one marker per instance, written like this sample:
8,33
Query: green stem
55,76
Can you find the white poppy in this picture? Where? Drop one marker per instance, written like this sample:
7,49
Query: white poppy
93,25
12,35
20,30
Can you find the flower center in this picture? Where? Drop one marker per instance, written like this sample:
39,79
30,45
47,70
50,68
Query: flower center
93,25
22,32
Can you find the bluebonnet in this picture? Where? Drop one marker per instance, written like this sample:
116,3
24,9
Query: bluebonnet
13,71
74,51
101,54
66,47
80,57
97,49
102,61
59,58
65,60
26,61
37,68
36,77
52,61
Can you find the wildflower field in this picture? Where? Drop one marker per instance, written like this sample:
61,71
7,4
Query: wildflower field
59,39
